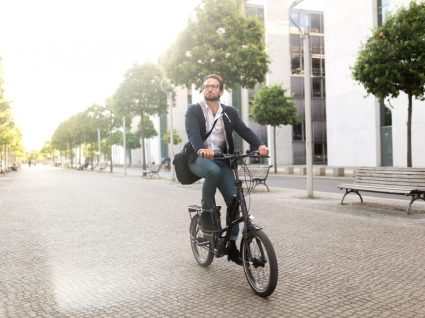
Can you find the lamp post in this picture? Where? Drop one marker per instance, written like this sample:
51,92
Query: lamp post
124,143
94,116
98,146
307,103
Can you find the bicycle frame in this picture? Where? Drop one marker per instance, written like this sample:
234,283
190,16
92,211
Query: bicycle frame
238,202
257,255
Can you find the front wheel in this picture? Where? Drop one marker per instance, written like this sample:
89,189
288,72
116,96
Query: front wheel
259,263
201,243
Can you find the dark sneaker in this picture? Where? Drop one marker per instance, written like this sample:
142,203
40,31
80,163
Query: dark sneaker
209,221
233,253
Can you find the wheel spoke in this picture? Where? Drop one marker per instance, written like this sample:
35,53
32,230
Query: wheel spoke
201,244
260,263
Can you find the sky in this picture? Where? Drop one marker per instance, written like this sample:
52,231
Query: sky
58,57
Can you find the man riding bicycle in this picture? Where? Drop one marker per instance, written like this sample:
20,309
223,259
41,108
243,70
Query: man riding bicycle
209,127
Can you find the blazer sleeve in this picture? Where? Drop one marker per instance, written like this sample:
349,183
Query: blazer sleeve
193,127
245,132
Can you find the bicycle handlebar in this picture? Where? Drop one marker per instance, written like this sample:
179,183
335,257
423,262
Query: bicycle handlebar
251,154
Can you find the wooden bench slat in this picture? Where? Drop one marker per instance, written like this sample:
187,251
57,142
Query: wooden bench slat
398,183
392,180
381,190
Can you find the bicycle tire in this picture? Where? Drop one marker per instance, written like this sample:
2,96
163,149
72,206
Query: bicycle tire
201,243
259,263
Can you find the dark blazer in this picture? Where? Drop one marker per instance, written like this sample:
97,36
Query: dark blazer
196,129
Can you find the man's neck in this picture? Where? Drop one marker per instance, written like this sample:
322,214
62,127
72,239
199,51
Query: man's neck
213,105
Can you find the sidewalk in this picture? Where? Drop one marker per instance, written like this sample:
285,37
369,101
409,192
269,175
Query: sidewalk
87,244
300,170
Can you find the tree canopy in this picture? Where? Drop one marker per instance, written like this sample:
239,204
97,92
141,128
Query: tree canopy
220,39
141,94
10,135
393,59
272,107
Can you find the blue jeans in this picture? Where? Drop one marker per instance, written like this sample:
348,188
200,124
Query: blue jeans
217,174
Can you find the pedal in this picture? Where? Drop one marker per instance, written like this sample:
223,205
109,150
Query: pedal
221,247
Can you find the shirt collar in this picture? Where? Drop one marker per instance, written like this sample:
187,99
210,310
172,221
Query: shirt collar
205,108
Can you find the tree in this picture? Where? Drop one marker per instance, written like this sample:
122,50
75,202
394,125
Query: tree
10,135
132,141
176,137
140,94
393,60
271,107
113,125
219,40
62,138
47,152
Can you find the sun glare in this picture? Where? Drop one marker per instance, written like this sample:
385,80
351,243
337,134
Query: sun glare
60,57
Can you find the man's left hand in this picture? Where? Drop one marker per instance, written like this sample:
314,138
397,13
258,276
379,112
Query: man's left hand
263,150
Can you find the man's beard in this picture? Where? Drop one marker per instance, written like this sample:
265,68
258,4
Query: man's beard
212,98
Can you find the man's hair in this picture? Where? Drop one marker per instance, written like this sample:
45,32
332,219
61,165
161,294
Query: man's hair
217,77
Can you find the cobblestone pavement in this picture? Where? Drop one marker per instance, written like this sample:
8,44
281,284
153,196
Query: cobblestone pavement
87,244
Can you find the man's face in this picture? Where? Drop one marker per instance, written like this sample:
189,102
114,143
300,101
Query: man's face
212,90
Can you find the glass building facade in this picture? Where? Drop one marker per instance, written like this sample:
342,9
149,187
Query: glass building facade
311,22
385,110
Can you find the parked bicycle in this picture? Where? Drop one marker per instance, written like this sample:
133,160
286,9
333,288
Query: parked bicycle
257,252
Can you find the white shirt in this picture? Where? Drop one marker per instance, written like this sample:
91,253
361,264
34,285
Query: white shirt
217,138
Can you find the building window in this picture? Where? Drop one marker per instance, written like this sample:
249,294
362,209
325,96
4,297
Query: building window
318,66
311,22
386,115
383,7
316,23
297,87
297,132
317,45
297,64
296,44
318,87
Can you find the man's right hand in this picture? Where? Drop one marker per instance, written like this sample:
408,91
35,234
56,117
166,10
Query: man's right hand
206,153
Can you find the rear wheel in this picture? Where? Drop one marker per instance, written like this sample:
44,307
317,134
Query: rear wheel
259,263
201,243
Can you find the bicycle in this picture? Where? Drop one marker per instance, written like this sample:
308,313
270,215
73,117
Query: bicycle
258,256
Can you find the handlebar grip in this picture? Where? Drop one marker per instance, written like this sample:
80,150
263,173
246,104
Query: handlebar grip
218,154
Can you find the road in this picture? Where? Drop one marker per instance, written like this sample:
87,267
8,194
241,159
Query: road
89,244
322,184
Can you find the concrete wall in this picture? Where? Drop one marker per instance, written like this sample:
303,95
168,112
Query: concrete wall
276,15
352,119
352,116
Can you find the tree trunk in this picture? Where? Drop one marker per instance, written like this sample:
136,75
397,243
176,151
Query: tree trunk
142,135
110,151
409,132
93,145
274,150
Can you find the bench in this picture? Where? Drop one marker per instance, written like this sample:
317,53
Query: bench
153,170
390,180
259,174
102,166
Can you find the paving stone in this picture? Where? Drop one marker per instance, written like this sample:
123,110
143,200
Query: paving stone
85,244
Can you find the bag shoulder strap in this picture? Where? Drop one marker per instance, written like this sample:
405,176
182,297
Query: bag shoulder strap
209,133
